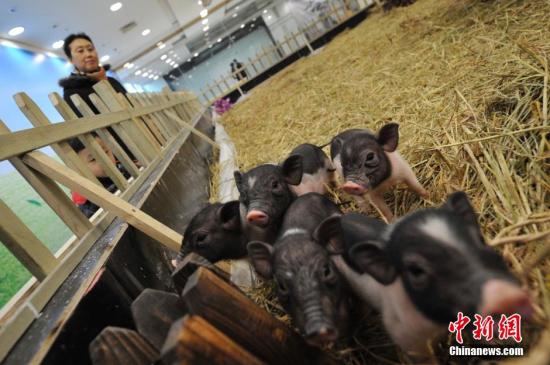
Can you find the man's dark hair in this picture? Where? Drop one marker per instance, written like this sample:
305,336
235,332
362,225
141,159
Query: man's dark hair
76,145
67,42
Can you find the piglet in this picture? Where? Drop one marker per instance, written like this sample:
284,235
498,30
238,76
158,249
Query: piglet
422,270
308,285
265,195
215,233
318,171
370,164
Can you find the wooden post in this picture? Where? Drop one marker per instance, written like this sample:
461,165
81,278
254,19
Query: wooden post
24,245
229,310
192,340
189,265
66,112
140,124
154,312
52,194
252,64
121,346
145,223
63,149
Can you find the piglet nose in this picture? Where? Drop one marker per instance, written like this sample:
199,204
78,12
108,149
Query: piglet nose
257,217
503,297
321,336
353,188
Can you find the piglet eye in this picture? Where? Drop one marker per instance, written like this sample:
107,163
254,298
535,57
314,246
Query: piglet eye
370,156
329,275
201,238
418,276
283,289
275,184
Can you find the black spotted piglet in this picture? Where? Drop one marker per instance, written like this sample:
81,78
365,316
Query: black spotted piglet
214,233
370,164
309,287
265,195
422,270
318,172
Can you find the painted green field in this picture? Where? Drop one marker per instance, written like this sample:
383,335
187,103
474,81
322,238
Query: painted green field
42,221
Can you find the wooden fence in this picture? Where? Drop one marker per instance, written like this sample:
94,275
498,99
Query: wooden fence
150,125
270,56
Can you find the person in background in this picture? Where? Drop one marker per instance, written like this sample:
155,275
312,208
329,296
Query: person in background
81,52
86,206
236,65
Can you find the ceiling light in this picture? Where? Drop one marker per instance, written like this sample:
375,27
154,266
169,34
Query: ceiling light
104,58
39,57
145,74
171,51
204,13
155,78
161,45
219,39
199,2
145,32
210,46
205,21
235,15
265,11
237,8
151,76
137,73
205,29
188,60
16,31
196,54
242,26
269,17
163,57
58,44
116,6
126,65
172,63
190,76
51,54
169,60
176,65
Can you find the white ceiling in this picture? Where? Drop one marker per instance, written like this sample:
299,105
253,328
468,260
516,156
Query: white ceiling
48,21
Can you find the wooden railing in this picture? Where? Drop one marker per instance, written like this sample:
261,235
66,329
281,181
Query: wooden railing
150,125
270,56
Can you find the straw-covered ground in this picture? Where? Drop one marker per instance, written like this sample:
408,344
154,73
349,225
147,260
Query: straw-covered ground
468,83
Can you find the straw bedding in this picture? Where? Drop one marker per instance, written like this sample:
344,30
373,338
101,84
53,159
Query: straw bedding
468,83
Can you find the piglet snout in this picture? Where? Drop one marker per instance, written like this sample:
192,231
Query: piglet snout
321,335
503,297
258,218
353,188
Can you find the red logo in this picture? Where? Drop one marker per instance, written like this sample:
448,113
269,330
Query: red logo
508,326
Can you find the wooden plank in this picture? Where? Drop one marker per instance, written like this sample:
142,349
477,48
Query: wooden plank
171,127
95,149
120,131
121,346
52,194
140,124
154,312
152,119
63,149
30,139
192,340
66,112
189,265
24,245
110,98
138,219
192,129
251,327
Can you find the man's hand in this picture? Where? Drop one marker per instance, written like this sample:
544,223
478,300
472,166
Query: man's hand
98,75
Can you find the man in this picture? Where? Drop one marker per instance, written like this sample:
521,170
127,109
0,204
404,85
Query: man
81,52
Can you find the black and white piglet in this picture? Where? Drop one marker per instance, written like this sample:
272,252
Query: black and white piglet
265,195
309,287
422,270
317,170
214,233
370,164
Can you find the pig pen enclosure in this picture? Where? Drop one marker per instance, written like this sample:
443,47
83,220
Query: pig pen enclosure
468,82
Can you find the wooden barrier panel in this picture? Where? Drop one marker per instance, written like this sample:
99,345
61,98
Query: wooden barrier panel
192,340
229,310
121,346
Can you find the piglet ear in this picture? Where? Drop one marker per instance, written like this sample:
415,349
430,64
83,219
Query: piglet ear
238,179
388,137
329,235
260,255
292,169
368,257
229,216
459,204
